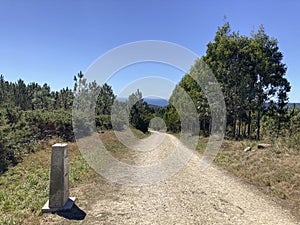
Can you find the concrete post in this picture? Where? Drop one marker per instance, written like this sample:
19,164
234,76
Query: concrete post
59,176
59,180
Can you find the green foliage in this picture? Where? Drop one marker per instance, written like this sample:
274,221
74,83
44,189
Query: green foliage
29,114
188,101
289,123
105,100
140,114
33,113
172,120
119,115
21,130
90,98
33,96
103,122
250,72
46,124
15,136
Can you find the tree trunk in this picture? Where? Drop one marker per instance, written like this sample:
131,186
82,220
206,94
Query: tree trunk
244,129
249,124
234,126
258,125
239,130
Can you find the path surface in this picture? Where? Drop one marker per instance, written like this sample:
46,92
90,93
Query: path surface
189,197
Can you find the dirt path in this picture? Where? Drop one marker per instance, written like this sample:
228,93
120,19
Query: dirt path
189,197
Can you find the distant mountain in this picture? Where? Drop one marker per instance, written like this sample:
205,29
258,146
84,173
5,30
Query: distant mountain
157,101
151,101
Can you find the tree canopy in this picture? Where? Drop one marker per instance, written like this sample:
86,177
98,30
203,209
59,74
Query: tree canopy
250,72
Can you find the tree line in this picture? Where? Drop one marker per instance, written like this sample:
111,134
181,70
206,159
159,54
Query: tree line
30,113
33,96
251,75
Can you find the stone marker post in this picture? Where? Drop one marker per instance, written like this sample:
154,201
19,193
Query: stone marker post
59,180
59,176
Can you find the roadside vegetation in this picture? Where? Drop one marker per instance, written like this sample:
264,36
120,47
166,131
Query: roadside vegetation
31,114
32,118
275,170
24,188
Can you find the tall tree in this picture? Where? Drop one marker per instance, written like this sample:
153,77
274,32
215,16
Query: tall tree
42,98
105,100
140,115
20,94
270,71
250,72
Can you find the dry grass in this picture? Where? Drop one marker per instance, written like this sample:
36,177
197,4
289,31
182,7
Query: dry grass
275,170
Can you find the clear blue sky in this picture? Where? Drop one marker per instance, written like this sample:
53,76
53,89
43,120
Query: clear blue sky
50,41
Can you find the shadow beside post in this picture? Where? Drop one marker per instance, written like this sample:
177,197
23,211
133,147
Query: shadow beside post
75,213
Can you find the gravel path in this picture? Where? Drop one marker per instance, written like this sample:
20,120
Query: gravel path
189,197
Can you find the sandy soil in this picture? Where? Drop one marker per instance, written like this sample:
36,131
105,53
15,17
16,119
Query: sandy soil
188,197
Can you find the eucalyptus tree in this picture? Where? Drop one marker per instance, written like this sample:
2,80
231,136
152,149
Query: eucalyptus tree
250,72
270,72
226,57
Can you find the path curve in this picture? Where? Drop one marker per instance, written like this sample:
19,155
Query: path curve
189,197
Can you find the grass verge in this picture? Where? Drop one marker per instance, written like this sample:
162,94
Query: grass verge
24,188
275,170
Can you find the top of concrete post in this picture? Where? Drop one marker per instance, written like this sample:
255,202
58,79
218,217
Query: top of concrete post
60,145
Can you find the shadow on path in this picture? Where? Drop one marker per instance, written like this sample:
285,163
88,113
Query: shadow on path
74,214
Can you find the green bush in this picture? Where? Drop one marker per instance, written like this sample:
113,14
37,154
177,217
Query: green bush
19,130
45,124
103,122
